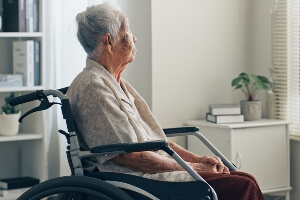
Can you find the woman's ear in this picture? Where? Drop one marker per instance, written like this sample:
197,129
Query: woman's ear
108,43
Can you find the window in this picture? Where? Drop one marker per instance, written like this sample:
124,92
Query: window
285,56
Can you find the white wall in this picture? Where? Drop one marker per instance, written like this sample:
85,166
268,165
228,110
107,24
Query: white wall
139,73
72,54
198,47
259,41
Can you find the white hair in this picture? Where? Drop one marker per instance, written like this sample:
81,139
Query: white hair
94,23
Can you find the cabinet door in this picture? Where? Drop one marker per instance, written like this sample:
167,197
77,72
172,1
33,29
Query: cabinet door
219,137
262,152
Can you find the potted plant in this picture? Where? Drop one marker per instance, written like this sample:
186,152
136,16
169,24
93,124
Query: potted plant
9,124
250,86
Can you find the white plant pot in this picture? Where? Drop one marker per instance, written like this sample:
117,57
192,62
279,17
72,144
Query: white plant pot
251,110
9,124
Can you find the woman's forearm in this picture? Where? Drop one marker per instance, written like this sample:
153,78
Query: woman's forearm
183,153
152,163
147,162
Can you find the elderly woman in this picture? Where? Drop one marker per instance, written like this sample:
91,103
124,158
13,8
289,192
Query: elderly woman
108,110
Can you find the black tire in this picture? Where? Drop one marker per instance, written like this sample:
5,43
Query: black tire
75,186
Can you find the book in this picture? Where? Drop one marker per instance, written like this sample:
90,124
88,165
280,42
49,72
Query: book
224,119
37,63
14,16
225,109
18,182
29,15
13,192
11,80
35,15
23,60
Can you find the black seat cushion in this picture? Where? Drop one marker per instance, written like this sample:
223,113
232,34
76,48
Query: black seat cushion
161,189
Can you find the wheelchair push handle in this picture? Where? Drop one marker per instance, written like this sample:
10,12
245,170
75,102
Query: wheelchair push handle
24,98
38,95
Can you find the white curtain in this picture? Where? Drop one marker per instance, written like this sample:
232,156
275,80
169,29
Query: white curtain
53,56
286,62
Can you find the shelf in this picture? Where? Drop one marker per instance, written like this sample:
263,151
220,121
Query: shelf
21,34
20,89
245,124
21,137
7,198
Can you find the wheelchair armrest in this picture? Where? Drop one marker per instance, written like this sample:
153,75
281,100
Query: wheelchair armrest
184,131
180,131
131,147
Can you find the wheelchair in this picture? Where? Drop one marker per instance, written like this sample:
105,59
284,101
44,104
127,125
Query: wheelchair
109,185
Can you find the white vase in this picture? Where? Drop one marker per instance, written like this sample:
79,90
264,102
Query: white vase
251,110
271,105
9,124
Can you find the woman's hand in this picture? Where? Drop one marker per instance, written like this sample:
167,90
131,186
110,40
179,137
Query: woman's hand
203,163
213,164
204,167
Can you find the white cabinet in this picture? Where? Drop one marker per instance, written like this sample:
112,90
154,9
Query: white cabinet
23,154
260,148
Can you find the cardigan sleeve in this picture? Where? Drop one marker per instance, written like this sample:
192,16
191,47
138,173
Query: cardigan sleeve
100,119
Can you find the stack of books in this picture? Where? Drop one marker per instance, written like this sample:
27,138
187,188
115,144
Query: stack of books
224,113
15,187
20,16
26,61
11,80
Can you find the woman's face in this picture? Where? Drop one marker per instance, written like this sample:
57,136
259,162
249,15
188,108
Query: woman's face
125,46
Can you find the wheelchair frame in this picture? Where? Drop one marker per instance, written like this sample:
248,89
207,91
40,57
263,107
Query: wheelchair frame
76,154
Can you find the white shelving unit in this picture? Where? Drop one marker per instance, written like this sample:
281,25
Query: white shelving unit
24,154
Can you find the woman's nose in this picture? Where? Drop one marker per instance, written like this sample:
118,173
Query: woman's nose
134,39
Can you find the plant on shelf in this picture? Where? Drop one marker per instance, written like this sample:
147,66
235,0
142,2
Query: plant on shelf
9,124
250,85
8,109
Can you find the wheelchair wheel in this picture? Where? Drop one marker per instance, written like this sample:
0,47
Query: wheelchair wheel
75,188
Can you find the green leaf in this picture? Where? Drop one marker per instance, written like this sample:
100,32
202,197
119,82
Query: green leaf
258,85
7,108
235,81
263,79
254,78
244,75
246,81
264,86
238,86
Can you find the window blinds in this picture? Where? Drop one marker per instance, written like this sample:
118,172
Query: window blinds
285,62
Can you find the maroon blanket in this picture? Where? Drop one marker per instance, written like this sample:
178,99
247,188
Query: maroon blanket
234,186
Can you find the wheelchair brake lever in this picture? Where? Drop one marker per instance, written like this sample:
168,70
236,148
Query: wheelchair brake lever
45,104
